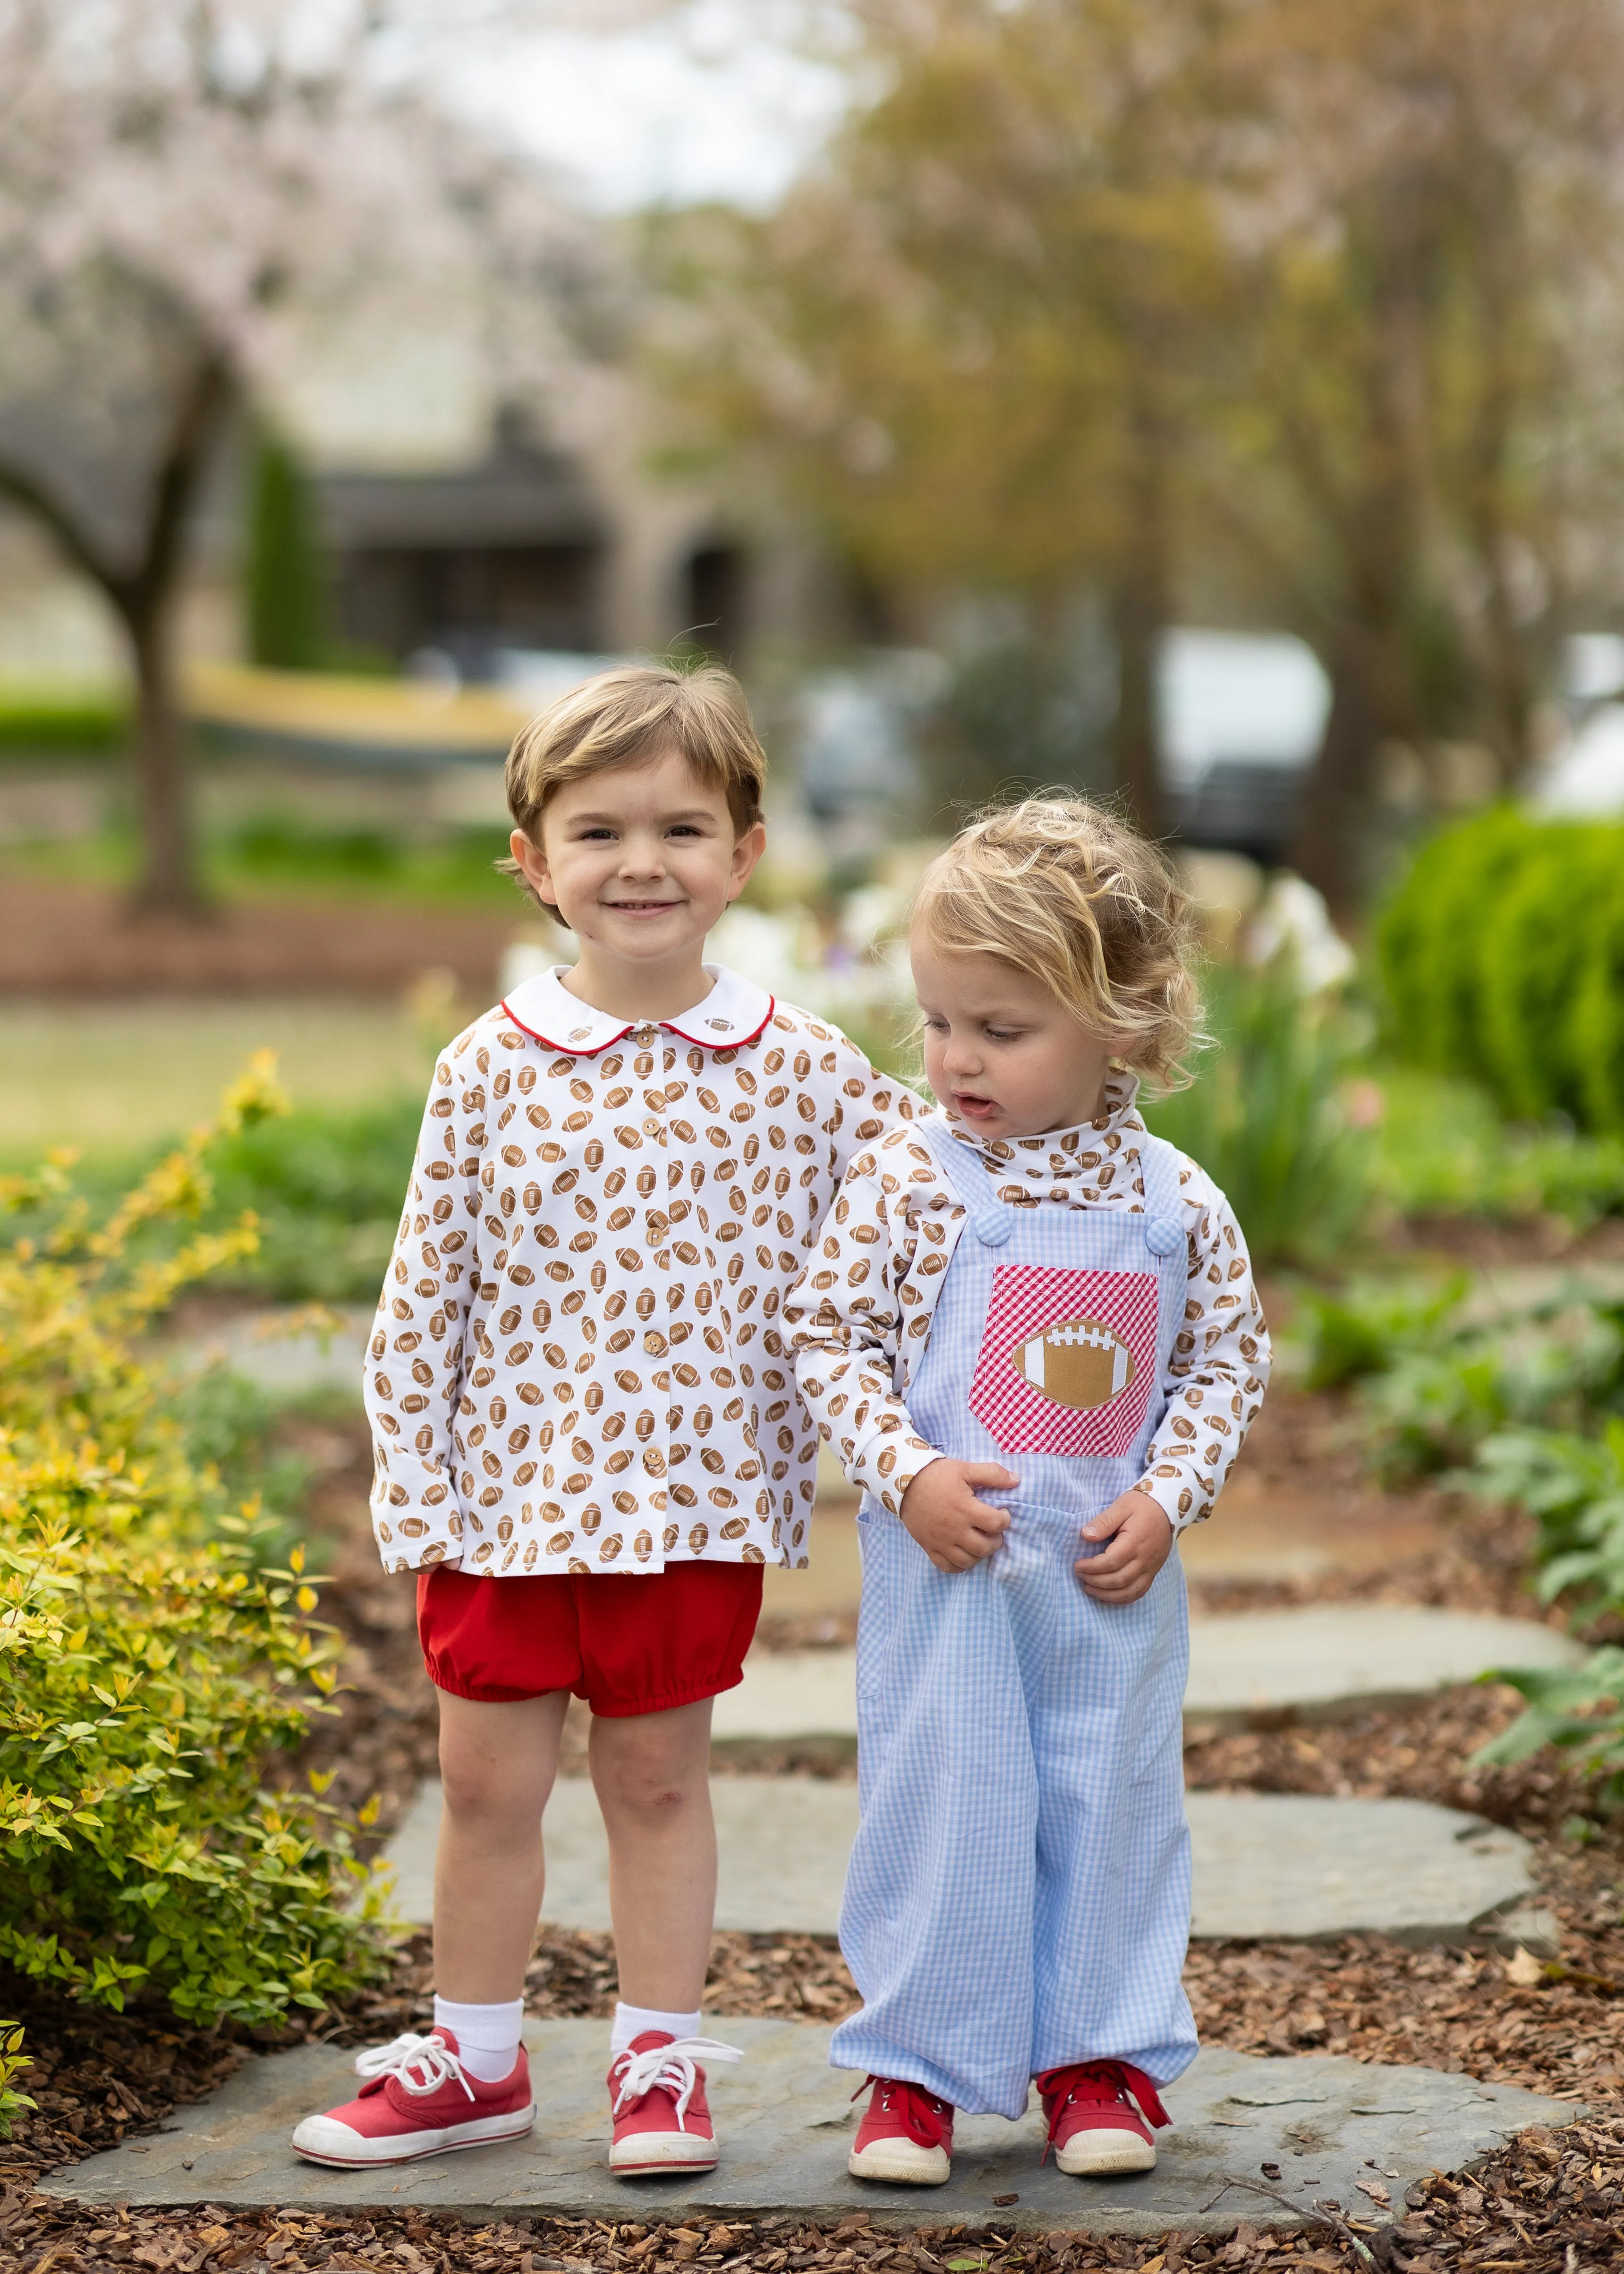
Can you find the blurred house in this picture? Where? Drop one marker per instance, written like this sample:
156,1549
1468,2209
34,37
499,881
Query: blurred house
510,551
530,548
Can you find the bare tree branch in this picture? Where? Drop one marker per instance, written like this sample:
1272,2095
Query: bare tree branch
36,497
174,484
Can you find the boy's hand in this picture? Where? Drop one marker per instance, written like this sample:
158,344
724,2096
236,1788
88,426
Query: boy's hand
1141,1540
941,1510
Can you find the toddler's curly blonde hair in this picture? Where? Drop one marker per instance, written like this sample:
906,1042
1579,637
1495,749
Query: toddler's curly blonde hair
1058,890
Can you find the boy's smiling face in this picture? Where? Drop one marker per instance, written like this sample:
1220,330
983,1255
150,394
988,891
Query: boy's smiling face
1001,1052
640,860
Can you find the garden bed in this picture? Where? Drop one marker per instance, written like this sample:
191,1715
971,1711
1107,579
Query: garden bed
70,939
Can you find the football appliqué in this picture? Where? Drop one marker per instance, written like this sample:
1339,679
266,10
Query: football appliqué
1080,1363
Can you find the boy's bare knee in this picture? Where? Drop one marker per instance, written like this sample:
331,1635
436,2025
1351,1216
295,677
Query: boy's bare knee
480,1788
639,1793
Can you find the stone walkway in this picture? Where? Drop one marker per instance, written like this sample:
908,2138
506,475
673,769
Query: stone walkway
1284,1866
1321,1662
785,2119
1334,1866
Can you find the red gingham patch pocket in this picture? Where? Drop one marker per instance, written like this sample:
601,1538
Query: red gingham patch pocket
1068,1360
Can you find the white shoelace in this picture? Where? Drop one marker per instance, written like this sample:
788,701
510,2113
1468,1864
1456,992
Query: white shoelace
421,2064
671,2066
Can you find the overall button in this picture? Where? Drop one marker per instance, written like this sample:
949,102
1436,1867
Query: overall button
643,1037
650,1127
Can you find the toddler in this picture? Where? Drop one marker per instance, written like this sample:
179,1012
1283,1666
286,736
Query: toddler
587,1438
1032,1338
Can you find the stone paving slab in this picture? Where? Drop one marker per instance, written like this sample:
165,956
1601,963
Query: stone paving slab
782,1844
1325,1661
257,1345
784,2121
1320,1662
1290,1865
1310,1867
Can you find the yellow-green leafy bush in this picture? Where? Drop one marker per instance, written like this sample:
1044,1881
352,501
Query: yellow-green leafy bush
13,2061
149,1668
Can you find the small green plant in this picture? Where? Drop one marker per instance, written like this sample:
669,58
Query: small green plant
1437,1381
1267,1115
1365,1328
1574,1487
1443,1149
1579,1710
13,2061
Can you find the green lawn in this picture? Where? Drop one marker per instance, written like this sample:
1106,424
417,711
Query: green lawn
114,1078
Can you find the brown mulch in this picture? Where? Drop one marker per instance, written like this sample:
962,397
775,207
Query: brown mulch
1548,2204
75,939
1421,1749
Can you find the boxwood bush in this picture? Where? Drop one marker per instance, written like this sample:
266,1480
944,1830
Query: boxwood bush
1502,959
150,1667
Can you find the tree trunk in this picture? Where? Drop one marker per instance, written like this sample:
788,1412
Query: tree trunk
167,884
1139,610
1333,827
143,595
1136,623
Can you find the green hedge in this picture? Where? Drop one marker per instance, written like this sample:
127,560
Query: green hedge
31,722
1502,959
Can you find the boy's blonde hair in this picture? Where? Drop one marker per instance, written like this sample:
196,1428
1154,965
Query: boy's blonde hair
625,716
1056,889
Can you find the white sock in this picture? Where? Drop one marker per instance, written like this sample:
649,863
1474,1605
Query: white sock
487,2036
631,2021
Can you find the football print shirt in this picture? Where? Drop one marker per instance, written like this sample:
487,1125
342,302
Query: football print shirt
578,1363
861,1320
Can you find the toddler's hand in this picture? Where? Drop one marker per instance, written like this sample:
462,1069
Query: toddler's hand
941,1510
1141,1540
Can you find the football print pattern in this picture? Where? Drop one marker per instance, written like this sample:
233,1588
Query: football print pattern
861,1318
578,1363
1067,1360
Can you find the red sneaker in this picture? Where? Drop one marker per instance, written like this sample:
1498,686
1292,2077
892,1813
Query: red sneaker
906,2134
419,2101
1093,2127
657,2097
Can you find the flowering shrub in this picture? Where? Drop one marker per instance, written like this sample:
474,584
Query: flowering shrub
147,1666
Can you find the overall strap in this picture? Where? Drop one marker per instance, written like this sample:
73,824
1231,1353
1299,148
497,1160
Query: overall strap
992,1219
1164,1228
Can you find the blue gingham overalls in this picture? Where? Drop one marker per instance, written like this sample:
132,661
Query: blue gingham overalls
1018,1894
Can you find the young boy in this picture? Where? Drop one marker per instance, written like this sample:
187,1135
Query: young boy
1032,1338
587,1434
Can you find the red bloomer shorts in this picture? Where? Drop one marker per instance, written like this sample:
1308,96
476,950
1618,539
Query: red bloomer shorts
627,1644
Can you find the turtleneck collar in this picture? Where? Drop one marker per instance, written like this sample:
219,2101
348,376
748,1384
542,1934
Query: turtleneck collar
1060,1152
